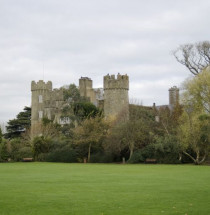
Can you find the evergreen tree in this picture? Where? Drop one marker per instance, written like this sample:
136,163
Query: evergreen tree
18,125
0,135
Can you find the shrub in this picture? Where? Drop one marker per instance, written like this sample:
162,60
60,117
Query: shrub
142,154
101,158
65,154
4,153
15,145
25,152
41,157
40,145
137,157
167,150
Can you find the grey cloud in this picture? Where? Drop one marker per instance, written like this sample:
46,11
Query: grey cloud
93,38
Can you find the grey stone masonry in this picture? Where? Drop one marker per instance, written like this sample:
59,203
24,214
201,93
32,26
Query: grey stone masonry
45,102
116,99
173,97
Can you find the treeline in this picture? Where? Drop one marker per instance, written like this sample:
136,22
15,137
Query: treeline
96,139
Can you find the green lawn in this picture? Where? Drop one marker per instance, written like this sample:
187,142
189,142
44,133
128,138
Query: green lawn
103,189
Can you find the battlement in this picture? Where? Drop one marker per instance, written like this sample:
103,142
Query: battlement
174,88
85,78
119,82
85,82
41,85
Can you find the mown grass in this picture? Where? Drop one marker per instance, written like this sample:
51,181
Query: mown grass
103,189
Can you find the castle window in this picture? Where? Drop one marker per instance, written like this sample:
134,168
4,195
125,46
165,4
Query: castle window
40,98
40,114
64,120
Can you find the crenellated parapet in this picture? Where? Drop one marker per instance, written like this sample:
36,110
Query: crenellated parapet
41,85
119,82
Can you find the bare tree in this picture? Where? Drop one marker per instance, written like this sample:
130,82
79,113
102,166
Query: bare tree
195,57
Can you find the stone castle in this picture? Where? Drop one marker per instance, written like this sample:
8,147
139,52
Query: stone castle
48,102
112,98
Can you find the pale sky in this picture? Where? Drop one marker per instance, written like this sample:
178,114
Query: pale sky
68,39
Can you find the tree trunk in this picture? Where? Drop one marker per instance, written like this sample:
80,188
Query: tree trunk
89,148
131,147
203,159
165,129
180,156
196,160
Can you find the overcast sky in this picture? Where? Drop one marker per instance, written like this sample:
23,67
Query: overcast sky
68,39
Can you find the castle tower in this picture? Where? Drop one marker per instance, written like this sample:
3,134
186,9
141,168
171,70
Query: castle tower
116,95
85,85
86,89
40,92
173,97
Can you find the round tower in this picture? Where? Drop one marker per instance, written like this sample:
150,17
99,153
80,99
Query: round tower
40,92
173,97
116,95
